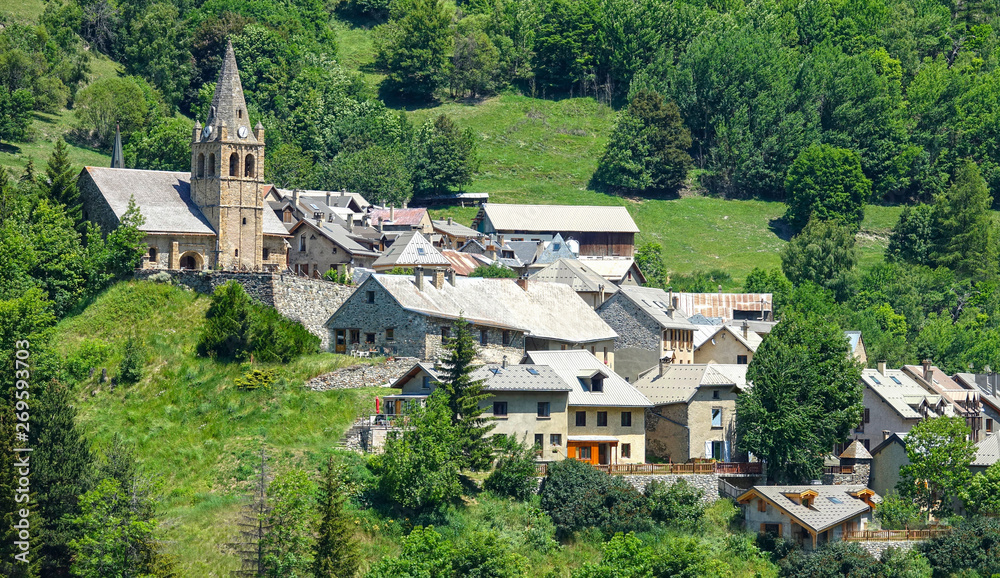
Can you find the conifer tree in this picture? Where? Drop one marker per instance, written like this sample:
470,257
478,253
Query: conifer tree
966,234
9,567
28,176
61,182
336,551
464,397
61,469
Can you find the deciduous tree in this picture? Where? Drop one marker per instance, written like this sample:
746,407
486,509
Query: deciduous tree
940,451
826,183
823,253
415,50
445,157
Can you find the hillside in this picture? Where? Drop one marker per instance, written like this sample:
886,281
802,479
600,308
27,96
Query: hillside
193,430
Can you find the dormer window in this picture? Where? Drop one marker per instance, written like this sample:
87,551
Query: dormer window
597,384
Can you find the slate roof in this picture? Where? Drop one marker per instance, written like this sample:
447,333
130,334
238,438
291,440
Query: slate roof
453,229
656,302
464,263
400,381
409,250
163,197
410,217
567,218
680,382
705,333
900,392
856,451
228,105
337,234
577,275
524,251
552,251
571,364
544,310
340,199
823,513
527,377
987,451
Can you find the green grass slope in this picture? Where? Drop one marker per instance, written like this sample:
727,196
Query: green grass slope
193,430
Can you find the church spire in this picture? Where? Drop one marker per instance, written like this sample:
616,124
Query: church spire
117,159
227,118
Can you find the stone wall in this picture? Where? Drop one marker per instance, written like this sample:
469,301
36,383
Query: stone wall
859,477
309,301
878,548
707,483
362,375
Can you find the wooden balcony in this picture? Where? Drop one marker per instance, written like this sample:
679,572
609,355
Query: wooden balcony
721,468
893,535
838,470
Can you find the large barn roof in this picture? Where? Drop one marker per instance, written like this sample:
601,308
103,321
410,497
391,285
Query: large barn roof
565,218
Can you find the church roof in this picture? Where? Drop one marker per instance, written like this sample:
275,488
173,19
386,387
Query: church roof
164,199
228,104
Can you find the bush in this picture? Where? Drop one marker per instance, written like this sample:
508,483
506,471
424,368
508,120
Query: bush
514,473
834,560
89,355
898,513
494,271
133,361
678,504
427,553
257,379
338,277
579,496
972,545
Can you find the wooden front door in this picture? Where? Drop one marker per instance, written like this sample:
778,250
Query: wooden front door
341,342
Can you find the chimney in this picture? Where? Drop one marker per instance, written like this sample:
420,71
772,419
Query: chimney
295,199
392,213
994,383
450,275
451,221
746,329
600,289
522,282
503,364
720,289
673,303
418,277
350,223
927,370
881,367
664,362
381,226
328,195
885,434
438,278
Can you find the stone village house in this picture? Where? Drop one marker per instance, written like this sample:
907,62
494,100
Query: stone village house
211,217
567,403
412,315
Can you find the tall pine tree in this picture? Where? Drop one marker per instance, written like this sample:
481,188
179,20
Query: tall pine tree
60,182
464,397
336,551
966,234
61,471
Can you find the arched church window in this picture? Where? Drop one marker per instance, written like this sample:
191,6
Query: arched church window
248,166
234,165
201,165
211,165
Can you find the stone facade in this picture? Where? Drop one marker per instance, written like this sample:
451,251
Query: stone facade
680,432
371,317
726,349
878,548
860,476
362,375
640,342
313,253
309,301
707,483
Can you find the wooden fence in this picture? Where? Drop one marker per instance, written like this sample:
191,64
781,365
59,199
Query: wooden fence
893,535
723,468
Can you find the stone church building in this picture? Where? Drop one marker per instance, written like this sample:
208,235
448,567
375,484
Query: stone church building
215,216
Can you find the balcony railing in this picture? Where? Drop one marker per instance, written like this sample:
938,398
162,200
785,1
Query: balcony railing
722,468
893,535
838,470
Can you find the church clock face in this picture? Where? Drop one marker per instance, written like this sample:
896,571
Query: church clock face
242,132
206,132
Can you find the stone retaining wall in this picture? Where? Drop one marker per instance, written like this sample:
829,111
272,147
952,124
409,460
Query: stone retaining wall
309,301
707,483
878,548
362,375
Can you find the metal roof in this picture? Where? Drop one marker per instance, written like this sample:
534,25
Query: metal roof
680,382
905,397
987,451
544,310
525,377
982,384
453,229
409,250
577,275
464,263
823,512
566,218
571,363
656,303
613,268
337,198
411,217
722,304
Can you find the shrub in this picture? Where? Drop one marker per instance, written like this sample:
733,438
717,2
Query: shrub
678,504
273,338
89,355
514,473
133,361
972,545
495,271
834,560
338,277
257,379
898,513
579,496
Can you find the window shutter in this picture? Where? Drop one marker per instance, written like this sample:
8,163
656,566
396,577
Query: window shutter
708,450
725,451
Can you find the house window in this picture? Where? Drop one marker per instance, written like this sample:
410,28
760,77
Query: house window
506,337
989,425
556,246
626,419
716,417
741,359
152,254
484,337
236,253
370,296
302,243
286,216
555,439
602,419
426,382
539,440
761,505
773,529
445,333
585,453
266,254
355,336
626,450
369,338
581,419
244,220
715,394
390,334
500,409
597,384
543,409
868,415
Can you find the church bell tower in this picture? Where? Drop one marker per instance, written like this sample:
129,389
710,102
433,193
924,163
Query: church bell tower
227,176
